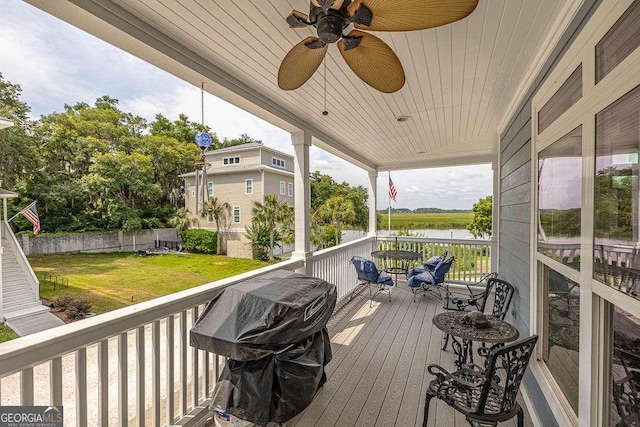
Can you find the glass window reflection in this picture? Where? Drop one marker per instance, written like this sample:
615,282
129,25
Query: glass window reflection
562,323
616,218
625,370
559,199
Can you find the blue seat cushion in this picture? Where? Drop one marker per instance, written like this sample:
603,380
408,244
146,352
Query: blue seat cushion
432,262
385,279
417,280
429,265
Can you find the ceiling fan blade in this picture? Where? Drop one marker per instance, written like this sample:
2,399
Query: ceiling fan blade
373,61
300,63
298,19
408,15
328,4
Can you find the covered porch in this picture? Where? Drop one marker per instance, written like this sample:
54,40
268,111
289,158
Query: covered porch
475,91
134,366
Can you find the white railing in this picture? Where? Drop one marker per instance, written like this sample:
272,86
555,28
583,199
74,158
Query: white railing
135,365
21,259
129,365
334,266
472,256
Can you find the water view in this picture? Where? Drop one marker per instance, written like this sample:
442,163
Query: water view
348,236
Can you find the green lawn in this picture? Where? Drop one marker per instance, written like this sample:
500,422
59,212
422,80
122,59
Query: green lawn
6,334
116,280
425,221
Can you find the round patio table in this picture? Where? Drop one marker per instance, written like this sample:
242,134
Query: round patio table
405,259
462,335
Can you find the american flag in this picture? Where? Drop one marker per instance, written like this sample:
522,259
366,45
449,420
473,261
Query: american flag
392,190
31,214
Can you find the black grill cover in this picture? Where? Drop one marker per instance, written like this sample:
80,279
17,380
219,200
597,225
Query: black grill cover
273,329
263,315
275,388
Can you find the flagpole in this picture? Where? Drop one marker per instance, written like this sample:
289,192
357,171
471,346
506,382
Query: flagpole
389,212
9,220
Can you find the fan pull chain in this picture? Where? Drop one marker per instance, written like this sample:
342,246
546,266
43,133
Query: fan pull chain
325,112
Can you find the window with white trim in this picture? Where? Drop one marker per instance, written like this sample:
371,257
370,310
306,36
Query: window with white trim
283,188
585,256
248,186
235,160
210,188
290,189
236,214
278,162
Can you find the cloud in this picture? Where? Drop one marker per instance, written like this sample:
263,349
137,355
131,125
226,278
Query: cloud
57,64
414,189
446,188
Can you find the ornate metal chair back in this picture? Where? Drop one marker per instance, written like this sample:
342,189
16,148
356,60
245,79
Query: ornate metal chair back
509,363
503,294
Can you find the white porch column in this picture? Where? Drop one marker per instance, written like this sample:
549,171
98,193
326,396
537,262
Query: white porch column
495,223
302,194
373,202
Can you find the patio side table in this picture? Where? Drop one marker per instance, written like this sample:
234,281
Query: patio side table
462,335
403,259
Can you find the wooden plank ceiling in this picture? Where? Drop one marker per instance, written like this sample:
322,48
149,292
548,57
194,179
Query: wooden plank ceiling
460,77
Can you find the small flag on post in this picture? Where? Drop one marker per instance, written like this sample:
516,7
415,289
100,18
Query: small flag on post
392,190
31,214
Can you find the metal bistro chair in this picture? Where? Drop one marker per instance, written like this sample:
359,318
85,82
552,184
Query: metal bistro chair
478,301
369,276
431,281
484,396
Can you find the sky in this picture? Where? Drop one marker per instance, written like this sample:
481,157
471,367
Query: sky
57,64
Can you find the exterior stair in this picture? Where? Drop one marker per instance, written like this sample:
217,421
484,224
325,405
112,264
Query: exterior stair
35,318
21,307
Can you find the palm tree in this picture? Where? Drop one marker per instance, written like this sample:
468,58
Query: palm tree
337,210
273,214
218,211
181,220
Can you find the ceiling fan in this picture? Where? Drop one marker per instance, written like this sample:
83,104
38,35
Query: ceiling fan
368,56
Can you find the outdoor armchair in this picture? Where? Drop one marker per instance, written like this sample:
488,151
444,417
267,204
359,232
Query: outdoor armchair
431,280
371,277
428,265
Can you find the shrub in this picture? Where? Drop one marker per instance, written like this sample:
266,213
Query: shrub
201,241
78,309
82,305
73,314
63,302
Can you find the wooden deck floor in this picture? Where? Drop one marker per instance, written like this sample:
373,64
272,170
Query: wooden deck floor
378,375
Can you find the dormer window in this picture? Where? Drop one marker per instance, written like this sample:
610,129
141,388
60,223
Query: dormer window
235,160
277,162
